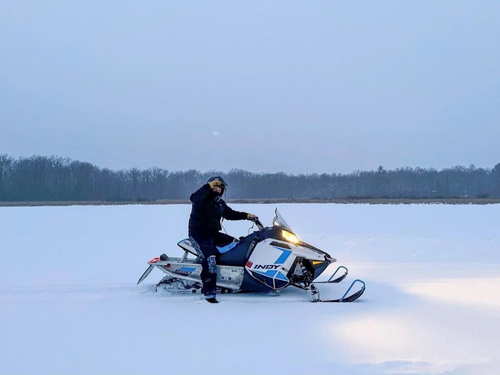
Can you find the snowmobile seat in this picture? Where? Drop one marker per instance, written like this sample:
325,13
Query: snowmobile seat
238,255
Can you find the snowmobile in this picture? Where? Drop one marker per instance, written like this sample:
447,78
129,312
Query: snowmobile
269,259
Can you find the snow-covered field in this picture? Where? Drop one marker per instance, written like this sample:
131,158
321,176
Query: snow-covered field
69,303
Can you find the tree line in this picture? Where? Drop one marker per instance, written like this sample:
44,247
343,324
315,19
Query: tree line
53,178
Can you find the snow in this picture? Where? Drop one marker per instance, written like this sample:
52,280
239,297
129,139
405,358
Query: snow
69,303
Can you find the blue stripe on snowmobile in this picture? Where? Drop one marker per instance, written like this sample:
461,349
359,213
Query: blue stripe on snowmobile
225,249
283,257
281,277
187,269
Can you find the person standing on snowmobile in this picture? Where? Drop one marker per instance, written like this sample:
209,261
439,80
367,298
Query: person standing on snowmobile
208,208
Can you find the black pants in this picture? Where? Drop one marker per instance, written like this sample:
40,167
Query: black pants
208,253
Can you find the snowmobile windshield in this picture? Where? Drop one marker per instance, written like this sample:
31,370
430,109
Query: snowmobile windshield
278,221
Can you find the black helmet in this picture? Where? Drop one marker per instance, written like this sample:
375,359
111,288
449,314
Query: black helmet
223,182
213,178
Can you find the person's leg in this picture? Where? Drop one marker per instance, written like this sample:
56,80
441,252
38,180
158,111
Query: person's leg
207,252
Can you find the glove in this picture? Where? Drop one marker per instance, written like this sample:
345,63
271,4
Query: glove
252,217
215,183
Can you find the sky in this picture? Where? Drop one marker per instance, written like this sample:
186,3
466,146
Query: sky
69,303
266,86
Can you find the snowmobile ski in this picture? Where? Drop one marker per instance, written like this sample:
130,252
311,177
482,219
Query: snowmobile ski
341,277
345,298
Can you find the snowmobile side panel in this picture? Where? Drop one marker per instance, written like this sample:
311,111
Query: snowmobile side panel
270,262
228,277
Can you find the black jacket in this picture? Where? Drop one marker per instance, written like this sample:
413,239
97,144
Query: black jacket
207,210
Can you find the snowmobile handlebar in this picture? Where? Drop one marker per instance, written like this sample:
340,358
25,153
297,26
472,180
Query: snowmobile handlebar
257,222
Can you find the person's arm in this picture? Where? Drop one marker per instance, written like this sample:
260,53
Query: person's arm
200,195
229,214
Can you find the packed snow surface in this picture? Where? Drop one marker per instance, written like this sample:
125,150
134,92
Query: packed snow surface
69,303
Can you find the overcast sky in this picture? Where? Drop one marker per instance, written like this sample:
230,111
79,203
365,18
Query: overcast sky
266,86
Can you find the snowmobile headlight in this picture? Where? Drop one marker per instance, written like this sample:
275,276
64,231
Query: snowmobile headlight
289,236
